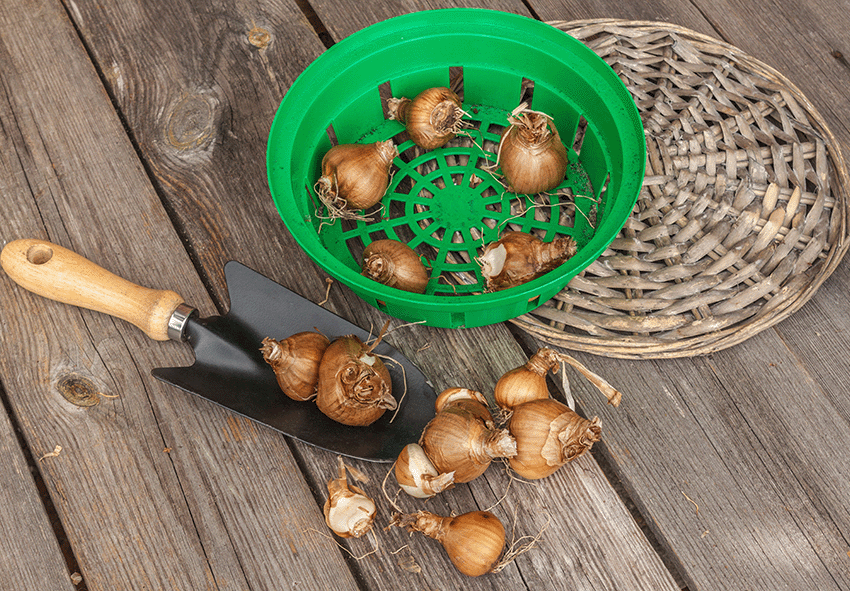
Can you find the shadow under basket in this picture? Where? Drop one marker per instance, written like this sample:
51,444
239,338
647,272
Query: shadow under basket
448,203
742,214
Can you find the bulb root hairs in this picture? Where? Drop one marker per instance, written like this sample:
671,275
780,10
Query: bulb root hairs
375,543
520,545
404,381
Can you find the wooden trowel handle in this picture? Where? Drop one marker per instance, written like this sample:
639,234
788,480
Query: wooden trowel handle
62,275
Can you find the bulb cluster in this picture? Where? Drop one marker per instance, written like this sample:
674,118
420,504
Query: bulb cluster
349,383
539,436
532,159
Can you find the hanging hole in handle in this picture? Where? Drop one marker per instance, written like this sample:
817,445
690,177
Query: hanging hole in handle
38,254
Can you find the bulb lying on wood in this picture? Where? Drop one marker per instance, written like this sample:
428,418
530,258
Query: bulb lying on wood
473,541
354,387
463,438
354,177
348,511
417,476
395,264
461,396
431,119
526,382
519,257
549,434
532,157
295,361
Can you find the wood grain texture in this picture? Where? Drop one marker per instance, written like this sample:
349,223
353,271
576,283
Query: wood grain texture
30,557
198,87
133,486
190,185
737,462
360,15
742,485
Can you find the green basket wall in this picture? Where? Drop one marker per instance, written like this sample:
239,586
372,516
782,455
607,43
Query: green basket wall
445,203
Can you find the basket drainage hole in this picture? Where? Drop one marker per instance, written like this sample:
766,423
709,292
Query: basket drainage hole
533,302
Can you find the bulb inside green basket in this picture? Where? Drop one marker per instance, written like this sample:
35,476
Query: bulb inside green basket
448,203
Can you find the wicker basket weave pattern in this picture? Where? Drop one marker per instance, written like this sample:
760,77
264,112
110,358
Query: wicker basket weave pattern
742,214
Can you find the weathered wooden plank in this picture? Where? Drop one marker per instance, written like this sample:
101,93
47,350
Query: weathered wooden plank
156,489
30,556
342,19
231,178
744,484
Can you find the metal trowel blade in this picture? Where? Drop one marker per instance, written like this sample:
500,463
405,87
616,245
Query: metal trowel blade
229,370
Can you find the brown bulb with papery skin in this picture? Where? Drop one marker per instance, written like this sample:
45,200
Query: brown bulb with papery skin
355,387
531,155
295,361
417,476
520,257
528,381
348,511
549,434
355,176
432,118
463,438
394,264
473,541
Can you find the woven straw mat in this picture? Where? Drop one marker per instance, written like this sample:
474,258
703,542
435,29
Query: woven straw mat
742,214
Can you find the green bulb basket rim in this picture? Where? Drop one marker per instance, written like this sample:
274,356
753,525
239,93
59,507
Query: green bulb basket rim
368,59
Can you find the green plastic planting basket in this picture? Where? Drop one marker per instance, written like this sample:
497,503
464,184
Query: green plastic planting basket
449,202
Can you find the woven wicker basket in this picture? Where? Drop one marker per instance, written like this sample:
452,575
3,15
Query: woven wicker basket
742,214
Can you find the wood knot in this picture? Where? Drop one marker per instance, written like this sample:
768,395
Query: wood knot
191,122
78,390
259,38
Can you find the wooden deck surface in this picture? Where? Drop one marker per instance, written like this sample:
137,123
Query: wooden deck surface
134,133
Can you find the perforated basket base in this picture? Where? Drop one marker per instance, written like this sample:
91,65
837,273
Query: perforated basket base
742,214
448,203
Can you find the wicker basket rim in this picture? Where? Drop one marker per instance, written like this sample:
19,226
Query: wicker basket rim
649,347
